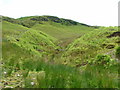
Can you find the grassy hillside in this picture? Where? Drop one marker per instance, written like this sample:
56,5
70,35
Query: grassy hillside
50,52
36,41
28,39
64,30
87,47
63,33
13,30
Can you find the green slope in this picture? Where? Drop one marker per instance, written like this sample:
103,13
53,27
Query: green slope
87,47
13,30
63,33
36,41
64,30
26,38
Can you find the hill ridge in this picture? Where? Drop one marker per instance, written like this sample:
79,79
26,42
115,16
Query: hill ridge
40,19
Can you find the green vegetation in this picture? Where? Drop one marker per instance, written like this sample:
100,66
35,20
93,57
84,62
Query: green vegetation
118,52
50,52
83,49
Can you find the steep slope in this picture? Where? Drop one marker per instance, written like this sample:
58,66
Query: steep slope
28,39
64,30
65,34
85,48
13,30
36,41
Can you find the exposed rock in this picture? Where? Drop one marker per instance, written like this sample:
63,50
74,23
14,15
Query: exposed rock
40,50
110,46
115,34
17,39
118,42
83,64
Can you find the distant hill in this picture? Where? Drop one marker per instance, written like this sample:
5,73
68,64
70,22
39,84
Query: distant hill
25,21
64,30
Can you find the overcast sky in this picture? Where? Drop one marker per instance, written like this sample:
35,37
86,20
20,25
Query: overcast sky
91,12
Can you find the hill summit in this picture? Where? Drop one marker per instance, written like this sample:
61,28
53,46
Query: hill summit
29,21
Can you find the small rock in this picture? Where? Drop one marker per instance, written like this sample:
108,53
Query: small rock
5,83
32,83
110,46
5,72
